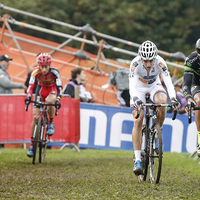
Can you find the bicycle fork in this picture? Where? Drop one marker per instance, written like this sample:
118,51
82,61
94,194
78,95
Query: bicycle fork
35,128
42,132
154,123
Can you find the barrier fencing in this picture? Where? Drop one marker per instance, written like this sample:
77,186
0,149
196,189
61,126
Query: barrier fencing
15,123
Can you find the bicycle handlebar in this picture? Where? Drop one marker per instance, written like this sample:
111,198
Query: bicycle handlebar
190,112
42,104
138,112
158,105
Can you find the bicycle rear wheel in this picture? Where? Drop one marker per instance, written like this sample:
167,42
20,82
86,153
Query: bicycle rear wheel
37,138
144,155
43,144
155,158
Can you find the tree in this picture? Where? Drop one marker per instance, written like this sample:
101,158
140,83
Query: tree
172,25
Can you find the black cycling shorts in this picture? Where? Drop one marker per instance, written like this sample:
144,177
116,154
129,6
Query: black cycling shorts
195,88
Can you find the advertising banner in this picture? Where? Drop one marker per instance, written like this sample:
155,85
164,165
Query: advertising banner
106,127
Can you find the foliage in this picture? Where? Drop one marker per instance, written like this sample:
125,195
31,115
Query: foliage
172,25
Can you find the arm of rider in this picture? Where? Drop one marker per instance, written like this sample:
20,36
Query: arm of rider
57,103
137,104
188,77
175,104
28,99
191,102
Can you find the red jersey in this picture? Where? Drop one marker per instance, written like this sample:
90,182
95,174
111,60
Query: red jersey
51,79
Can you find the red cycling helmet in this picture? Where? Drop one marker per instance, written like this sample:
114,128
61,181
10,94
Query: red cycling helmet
44,59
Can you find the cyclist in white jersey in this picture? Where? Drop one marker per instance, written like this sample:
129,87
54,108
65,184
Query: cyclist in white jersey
145,70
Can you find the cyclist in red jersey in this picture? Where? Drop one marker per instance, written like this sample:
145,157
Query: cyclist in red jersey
48,89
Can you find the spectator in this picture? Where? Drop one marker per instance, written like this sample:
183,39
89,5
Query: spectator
6,85
76,75
180,97
120,78
83,93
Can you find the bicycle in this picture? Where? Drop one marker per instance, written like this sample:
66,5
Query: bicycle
40,137
150,155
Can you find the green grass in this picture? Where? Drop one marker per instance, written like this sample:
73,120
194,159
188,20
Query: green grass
94,174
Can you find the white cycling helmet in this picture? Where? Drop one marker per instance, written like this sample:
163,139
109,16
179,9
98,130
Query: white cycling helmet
148,50
198,44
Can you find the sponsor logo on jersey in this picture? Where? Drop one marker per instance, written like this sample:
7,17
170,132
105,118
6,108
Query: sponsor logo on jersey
166,73
193,88
135,64
54,71
132,69
58,82
164,68
160,64
143,81
32,80
189,64
151,81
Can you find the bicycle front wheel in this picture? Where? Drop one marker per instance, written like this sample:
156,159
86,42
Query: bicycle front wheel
37,138
155,158
144,154
43,144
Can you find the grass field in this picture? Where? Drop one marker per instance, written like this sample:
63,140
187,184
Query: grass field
94,174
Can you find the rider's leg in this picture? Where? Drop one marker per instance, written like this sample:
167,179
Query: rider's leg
161,98
137,141
51,98
137,134
197,112
197,120
36,109
36,112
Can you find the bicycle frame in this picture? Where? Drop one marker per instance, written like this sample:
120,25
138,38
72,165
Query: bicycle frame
44,122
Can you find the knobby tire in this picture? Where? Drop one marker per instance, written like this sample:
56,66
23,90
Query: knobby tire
37,139
144,155
155,158
43,144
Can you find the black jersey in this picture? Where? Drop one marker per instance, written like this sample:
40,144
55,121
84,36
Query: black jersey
192,64
191,75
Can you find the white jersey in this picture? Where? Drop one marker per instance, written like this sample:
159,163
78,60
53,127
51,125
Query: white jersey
140,82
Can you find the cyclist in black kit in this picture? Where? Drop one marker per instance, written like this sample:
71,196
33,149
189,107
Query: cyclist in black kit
191,86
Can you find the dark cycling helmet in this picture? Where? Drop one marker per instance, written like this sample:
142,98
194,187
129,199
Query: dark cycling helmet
148,50
198,44
44,59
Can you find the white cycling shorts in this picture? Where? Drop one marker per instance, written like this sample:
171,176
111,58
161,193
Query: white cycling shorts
153,90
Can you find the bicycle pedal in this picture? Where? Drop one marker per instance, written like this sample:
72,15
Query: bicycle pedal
138,173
